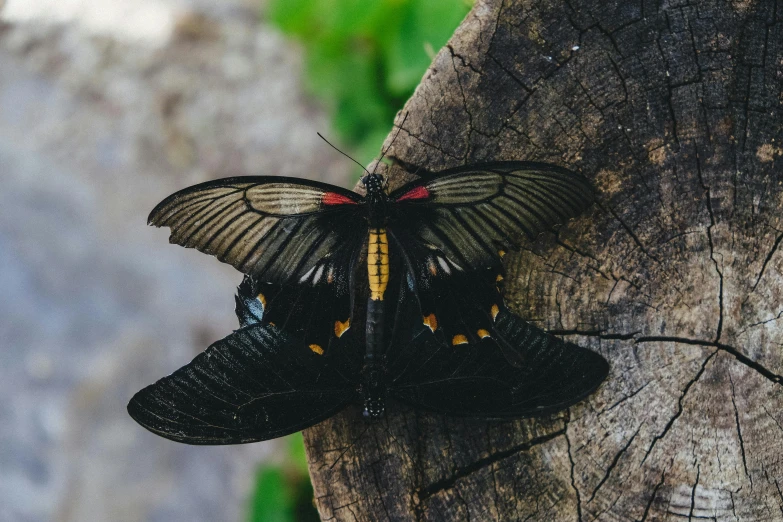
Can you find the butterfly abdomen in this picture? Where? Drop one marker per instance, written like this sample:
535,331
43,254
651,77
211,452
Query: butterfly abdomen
378,274
373,385
378,263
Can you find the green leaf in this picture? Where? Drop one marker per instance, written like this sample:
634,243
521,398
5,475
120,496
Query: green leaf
365,58
272,501
297,454
425,28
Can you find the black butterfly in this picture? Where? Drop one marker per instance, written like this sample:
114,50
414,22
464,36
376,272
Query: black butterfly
417,268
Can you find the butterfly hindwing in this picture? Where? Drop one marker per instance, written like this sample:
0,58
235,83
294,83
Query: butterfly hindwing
281,229
252,385
315,316
475,379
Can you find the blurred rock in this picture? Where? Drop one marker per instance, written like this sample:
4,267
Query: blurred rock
95,129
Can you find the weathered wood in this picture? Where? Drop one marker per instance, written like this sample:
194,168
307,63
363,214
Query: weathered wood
674,110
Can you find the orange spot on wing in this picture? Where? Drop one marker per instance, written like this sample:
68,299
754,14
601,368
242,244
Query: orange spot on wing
263,300
340,328
431,322
316,349
459,339
499,278
431,265
501,253
482,333
495,310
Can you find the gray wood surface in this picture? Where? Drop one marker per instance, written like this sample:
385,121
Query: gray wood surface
674,110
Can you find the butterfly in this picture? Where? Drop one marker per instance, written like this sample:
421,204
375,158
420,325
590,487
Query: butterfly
360,281
261,382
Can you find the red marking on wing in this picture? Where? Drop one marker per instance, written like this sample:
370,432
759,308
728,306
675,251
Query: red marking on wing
419,192
333,198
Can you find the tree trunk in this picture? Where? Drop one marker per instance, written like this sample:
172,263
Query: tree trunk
674,110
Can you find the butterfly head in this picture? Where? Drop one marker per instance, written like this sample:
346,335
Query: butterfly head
374,183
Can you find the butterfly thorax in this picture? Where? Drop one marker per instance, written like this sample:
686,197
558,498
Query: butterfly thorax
376,199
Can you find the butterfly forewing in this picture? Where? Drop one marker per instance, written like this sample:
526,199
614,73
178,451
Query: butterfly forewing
470,213
253,385
270,227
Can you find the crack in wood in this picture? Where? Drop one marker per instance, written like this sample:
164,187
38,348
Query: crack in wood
712,246
448,483
693,492
739,356
780,496
680,408
753,325
596,333
625,398
573,480
766,261
739,431
630,232
613,464
652,497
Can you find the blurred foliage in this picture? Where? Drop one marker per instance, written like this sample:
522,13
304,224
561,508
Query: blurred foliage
284,493
365,58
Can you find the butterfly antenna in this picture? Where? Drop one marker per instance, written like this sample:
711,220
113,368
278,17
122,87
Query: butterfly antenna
341,152
383,154
351,445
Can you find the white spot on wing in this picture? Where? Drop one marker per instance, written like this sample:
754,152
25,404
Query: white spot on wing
307,275
444,265
318,274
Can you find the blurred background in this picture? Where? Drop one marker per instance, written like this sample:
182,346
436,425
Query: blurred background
106,107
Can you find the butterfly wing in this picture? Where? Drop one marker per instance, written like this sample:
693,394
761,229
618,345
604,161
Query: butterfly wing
253,385
483,361
459,221
476,380
466,215
279,230
315,316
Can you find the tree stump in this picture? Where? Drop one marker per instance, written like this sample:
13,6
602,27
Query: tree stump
674,110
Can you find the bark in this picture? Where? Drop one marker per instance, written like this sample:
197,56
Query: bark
674,110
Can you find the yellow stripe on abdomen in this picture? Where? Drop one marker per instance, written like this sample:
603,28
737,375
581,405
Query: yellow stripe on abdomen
378,263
